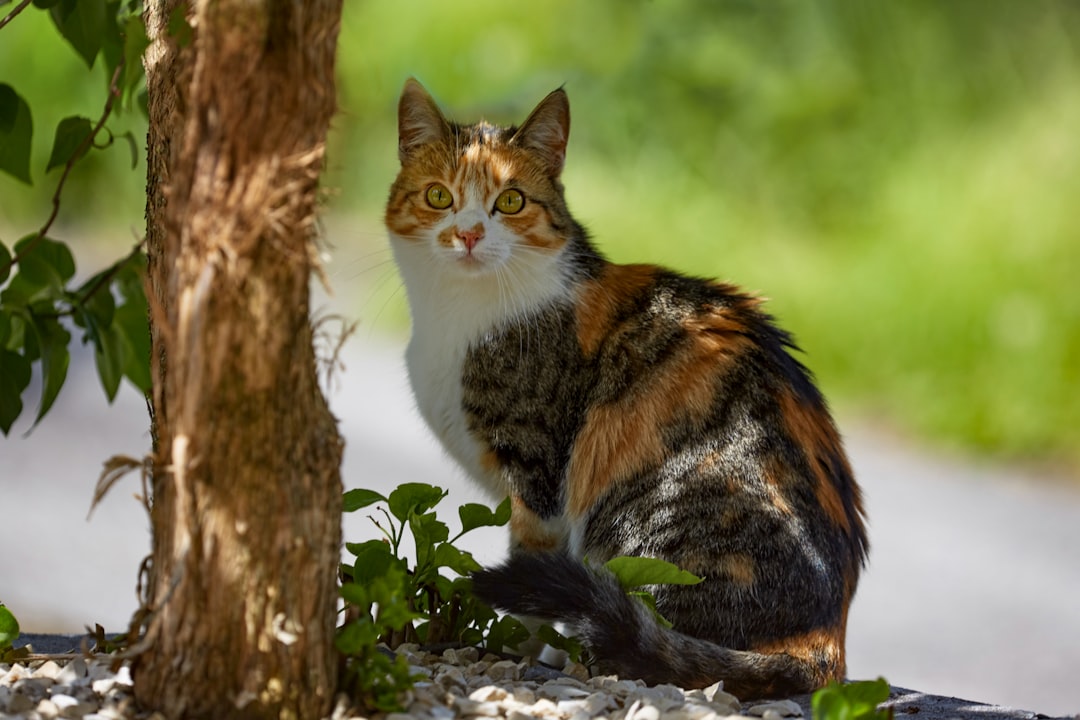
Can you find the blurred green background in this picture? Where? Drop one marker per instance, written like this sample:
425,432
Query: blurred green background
900,179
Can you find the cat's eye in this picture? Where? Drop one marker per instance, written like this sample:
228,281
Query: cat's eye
439,197
510,202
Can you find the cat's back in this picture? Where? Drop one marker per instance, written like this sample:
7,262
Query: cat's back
697,402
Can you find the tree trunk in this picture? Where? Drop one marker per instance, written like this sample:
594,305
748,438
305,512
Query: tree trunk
246,511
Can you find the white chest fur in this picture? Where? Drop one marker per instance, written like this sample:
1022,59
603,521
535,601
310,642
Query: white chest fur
452,308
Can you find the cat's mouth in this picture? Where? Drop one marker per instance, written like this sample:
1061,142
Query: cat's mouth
471,261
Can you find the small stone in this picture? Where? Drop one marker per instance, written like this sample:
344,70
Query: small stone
14,674
47,709
576,671
441,712
544,707
448,676
72,673
783,708
488,693
723,702
523,695
698,710
646,712
556,692
20,703
33,688
469,654
485,709
504,670
49,670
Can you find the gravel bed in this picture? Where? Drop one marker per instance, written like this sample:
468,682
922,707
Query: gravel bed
457,684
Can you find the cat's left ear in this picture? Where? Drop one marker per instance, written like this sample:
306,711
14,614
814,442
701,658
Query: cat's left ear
547,129
420,121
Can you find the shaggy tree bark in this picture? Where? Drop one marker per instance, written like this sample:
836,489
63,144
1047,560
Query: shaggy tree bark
246,508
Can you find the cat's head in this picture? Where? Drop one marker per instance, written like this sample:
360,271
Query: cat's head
480,198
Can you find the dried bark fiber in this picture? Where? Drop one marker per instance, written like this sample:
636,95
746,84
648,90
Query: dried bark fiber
246,488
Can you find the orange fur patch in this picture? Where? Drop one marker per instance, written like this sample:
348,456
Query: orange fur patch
624,437
821,649
601,299
735,567
529,532
774,486
814,432
740,568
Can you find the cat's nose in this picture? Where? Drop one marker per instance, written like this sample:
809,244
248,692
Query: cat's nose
471,236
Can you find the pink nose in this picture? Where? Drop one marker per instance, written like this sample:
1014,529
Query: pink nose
470,237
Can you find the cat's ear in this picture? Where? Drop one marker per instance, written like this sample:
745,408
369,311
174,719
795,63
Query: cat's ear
546,130
420,122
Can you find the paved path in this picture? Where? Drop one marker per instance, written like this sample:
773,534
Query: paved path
973,589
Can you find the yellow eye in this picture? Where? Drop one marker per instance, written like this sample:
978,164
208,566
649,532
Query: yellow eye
510,202
439,197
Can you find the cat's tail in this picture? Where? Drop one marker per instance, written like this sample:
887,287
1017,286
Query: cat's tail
624,636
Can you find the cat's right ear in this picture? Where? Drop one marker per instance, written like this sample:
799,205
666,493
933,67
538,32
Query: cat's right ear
420,122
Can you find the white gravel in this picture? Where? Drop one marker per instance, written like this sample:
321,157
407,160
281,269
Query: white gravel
456,684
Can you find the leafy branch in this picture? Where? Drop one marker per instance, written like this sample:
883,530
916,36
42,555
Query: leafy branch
111,306
11,15
114,92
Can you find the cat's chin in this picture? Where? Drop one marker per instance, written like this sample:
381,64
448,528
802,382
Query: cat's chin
473,266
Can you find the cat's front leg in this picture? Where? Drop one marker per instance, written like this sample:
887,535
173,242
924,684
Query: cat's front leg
529,532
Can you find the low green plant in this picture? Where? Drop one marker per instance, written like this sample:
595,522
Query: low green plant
9,628
9,632
391,601
851,701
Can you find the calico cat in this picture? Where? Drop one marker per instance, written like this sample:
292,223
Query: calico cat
626,410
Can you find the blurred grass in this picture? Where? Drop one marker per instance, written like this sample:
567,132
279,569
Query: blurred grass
898,178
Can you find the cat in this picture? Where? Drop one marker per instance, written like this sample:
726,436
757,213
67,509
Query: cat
626,410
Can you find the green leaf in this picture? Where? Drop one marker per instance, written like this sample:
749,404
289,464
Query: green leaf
354,637
373,559
52,342
179,29
851,701
355,594
71,133
650,602
5,265
9,628
95,310
507,632
16,132
459,561
14,378
132,330
475,515
109,355
410,498
132,322
45,266
868,692
360,498
130,137
427,531
45,4
135,44
571,645
634,572
83,23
